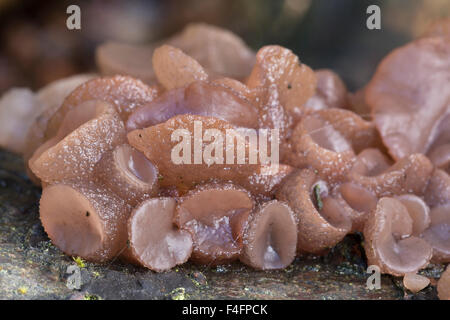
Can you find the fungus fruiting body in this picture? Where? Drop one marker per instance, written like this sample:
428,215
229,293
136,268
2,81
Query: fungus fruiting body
85,220
319,227
154,241
196,148
128,173
271,237
215,216
414,282
443,286
389,240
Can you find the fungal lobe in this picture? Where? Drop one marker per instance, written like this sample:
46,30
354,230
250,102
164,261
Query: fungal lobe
319,226
409,97
271,237
128,173
198,98
114,58
331,91
215,215
154,240
282,85
175,69
87,131
123,92
415,282
408,175
84,220
389,240
219,51
443,285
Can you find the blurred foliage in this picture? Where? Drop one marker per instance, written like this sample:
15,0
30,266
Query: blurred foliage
36,47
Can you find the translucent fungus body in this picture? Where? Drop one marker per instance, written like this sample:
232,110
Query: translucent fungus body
271,237
389,241
85,220
85,134
154,241
215,215
322,221
128,173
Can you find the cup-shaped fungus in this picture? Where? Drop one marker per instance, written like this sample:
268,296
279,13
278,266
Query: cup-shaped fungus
128,173
322,221
154,241
317,144
219,51
388,240
122,92
357,201
85,220
408,175
198,98
407,113
415,282
443,285
86,132
418,211
122,58
215,216
357,103
18,108
370,162
50,99
175,69
439,28
438,234
282,85
438,189
280,75
331,91
327,140
270,238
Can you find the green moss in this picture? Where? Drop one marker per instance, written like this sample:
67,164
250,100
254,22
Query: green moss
80,263
88,296
22,290
178,294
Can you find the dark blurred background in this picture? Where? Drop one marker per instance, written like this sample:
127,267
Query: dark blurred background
37,48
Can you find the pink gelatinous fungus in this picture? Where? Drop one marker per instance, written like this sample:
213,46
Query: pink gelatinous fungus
389,243
406,112
86,132
175,69
443,285
122,92
209,213
154,240
198,98
322,222
331,91
85,220
270,239
415,282
128,173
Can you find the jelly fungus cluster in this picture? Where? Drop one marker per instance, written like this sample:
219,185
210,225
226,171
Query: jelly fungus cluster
376,161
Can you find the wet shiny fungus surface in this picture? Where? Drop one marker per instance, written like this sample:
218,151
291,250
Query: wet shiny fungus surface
139,162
